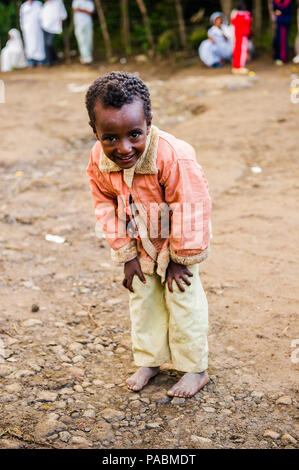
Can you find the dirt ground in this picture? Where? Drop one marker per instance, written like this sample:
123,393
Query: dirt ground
65,348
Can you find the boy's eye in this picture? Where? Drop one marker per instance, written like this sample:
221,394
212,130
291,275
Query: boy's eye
135,134
110,138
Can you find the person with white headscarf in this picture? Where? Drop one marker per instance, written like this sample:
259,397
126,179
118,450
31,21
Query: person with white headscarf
12,55
83,10
32,33
217,48
52,15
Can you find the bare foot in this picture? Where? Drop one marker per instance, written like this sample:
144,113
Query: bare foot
138,380
188,385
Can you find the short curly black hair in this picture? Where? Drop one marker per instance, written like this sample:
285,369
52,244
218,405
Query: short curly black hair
116,89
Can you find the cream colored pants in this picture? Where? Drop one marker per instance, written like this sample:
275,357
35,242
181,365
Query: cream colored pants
169,327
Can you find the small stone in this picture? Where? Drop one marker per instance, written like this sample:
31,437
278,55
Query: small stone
108,386
77,359
6,397
75,347
34,308
288,439
64,436
209,409
89,414
10,444
14,387
4,370
60,405
78,388
160,398
31,322
272,434
102,431
45,395
21,373
201,440
112,415
48,427
98,383
76,372
284,400
79,442
152,425
257,394
178,400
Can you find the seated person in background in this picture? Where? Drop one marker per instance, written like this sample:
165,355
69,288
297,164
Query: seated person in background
217,48
12,55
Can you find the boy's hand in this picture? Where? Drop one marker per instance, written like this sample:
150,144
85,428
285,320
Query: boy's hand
131,268
176,271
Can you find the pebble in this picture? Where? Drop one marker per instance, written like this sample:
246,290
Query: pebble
21,373
64,436
178,400
80,442
76,372
272,434
4,370
45,395
14,387
6,397
77,359
201,440
288,439
102,431
112,415
284,400
209,409
152,425
89,414
160,398
31,322
257,394
98,383
48,427
78,388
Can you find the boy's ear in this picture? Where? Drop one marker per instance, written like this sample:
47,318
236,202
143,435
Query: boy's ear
93,128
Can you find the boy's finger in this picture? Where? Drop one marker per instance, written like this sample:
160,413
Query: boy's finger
177,280
141,276
186,280
188,272
129,284
169,282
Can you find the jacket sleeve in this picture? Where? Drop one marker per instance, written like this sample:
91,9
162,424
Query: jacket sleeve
111,218
186,192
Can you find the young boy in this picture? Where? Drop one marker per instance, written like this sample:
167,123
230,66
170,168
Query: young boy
151,200
241,20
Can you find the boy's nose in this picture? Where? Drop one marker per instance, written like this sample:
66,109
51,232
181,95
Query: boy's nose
124,147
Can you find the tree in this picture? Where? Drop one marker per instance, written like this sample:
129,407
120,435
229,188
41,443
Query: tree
297,38
181,22
226,7
103,24
125,26
147,25
257,15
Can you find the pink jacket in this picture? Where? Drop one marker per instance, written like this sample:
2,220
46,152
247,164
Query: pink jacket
158,210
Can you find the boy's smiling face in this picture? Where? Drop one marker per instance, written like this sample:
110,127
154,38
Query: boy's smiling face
122,132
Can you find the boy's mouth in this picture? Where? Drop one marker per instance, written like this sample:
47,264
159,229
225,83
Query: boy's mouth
126,159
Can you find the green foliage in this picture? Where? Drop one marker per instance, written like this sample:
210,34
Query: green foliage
9,18
198,35
168,41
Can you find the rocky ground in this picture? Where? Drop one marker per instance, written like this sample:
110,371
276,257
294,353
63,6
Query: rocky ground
65,348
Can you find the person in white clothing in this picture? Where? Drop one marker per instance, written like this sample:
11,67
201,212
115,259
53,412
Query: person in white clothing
32,32
12,55
52,15
217,48
83,10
